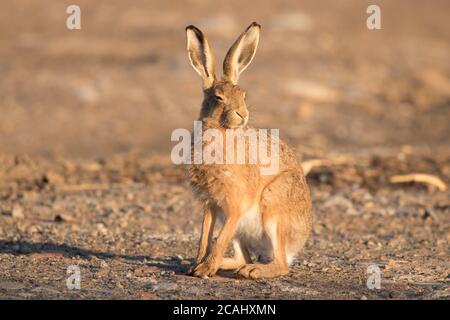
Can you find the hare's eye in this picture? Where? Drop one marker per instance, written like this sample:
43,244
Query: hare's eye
219,98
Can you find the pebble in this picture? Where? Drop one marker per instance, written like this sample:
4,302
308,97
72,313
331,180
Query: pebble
101,228
17,212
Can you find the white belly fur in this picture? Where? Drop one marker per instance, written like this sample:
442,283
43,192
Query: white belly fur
250,225
251,234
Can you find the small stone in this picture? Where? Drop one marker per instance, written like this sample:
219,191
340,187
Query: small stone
17,213
119,285
62,217
33,229
101,228
147,295
179,257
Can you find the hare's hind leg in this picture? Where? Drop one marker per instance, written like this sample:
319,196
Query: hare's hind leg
278,266
241,257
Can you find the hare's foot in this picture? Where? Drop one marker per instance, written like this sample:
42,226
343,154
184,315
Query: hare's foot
192,267
204,269
258,271
231,263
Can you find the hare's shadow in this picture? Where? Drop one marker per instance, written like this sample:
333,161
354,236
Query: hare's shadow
169,264
27,248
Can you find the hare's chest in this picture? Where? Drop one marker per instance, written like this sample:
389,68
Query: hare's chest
214,183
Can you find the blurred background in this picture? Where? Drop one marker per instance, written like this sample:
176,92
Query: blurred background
123,82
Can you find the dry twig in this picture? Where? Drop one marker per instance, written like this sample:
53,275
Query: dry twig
308,165
421,178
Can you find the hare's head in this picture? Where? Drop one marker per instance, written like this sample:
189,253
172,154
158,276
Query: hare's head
224,100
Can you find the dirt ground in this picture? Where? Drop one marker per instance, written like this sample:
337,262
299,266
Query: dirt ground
86,115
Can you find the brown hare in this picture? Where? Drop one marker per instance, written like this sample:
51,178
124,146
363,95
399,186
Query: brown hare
267,218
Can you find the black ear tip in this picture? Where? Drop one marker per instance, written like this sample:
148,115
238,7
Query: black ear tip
255,24
196,30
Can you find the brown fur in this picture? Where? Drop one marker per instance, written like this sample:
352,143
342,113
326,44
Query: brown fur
269,216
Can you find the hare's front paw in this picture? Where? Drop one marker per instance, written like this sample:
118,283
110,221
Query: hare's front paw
250,271
204,269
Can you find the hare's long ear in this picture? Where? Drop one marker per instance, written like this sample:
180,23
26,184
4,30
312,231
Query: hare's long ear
241,53
200,55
